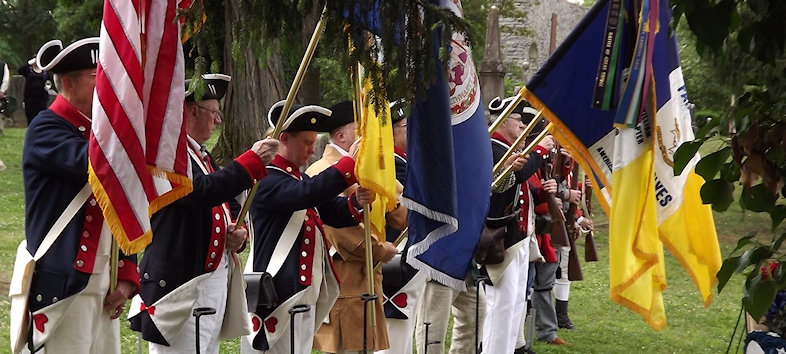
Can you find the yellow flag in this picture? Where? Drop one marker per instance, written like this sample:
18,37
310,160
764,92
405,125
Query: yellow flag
374,167
637,273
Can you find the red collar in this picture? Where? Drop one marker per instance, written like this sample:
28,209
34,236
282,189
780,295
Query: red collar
65,109
499,137
286,165
400,152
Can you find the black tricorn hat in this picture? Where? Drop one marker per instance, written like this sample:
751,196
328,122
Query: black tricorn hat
215,87
80,55
301,118
398,110
527,115
497,104
343,113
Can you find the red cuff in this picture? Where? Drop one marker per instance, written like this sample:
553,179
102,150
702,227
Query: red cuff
128,271
541,151
347,168
357,215
253,165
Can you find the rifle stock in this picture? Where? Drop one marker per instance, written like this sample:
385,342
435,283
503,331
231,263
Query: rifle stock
574,265
559,233
590,251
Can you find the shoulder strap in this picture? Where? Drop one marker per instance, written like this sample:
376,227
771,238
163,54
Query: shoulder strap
62,221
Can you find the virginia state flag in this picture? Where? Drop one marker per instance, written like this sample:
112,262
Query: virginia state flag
375,168
449,167
580,89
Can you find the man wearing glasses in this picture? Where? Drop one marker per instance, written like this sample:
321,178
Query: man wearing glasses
192,262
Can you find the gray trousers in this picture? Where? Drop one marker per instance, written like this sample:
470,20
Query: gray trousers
543,301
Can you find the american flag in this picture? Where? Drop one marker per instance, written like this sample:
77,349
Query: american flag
138,157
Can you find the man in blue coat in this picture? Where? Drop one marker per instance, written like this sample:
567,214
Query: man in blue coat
71,308
192,260
288,213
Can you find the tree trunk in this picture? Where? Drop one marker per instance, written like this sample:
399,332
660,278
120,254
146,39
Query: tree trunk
254,88
309,91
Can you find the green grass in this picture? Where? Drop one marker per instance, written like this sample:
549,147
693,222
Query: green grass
602,326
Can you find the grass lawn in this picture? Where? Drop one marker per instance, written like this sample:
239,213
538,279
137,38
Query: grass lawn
602,326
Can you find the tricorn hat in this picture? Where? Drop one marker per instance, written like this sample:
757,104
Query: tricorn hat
398,110
343,113
527,115
80,55
497,104
301,118
215,87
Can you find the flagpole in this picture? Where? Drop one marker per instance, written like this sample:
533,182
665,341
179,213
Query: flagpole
301,73
396,242
366,207
516,143
526,151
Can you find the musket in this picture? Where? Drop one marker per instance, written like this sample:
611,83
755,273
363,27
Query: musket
559,234
574,266
590,251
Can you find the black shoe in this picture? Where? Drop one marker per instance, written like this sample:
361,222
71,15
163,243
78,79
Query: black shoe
523,350
563,320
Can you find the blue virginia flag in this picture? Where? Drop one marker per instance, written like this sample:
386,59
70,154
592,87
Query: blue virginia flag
449,168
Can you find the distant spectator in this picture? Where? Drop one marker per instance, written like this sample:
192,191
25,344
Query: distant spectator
5,76
36,97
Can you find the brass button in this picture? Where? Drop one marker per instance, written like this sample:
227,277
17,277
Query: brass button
79,263
306,219
308,228
347,174
39,297
313,121
289,169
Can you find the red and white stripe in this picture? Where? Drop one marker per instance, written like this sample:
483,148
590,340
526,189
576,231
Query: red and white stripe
138,157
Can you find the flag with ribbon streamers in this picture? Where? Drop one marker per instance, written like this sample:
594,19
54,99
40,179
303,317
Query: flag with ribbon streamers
138,158
614,91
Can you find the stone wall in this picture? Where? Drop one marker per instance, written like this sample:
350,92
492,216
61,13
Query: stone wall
516,49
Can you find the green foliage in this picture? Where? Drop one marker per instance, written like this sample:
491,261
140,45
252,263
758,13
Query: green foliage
77,19
24,26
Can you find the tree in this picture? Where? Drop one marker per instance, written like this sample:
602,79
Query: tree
25,25
749,34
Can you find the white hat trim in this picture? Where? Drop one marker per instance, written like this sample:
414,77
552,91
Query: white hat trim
502,103
63,52
224,77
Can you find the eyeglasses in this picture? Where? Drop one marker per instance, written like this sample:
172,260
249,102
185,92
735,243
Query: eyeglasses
400,126
212,112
